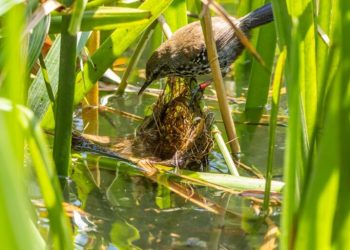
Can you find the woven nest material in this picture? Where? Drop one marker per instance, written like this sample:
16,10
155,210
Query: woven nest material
177,133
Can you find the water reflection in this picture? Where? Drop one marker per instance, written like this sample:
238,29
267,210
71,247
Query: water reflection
132,212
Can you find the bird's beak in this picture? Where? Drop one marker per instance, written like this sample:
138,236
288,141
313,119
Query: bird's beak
144,86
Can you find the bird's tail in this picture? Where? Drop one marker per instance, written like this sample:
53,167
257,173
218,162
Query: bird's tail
257,17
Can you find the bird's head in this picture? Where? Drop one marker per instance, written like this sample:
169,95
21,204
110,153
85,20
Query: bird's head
156,68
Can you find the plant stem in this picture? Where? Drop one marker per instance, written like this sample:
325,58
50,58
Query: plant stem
65,97
277,82
219,84
91,101
224,150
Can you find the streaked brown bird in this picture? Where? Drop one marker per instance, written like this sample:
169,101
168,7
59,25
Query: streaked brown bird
185,53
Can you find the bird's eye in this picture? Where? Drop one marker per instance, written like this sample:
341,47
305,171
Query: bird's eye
152,74
155,74
164,70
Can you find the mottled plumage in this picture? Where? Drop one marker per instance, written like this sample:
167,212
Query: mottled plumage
185,54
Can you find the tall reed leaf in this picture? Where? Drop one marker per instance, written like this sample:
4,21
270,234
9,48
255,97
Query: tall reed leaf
77,16
176,14
18,231
277,83
38,98
15,214
5,5
104,18
296,30
36,41
16,123
325,214
259,81
244,63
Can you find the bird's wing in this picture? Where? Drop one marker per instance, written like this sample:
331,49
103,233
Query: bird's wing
187,43
223,32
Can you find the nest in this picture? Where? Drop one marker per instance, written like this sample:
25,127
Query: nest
177,132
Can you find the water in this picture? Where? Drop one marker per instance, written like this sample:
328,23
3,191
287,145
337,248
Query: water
130,211
127,210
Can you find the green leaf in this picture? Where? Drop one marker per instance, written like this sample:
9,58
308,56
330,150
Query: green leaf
5,5
233,182
259,81
106,18
21,233
46,176
176,14
243,63
277,83
325,210
36,41
38,98
77,15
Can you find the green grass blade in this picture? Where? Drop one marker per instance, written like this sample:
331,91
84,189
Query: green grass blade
259,81
13,83
135,57
277,83
304,65
77,16
18,230
105,18
282,22
97,3
294,147
243,64
44,169
176,14
325,216
224,151
14,203
38,98
16,215
47,82
301,79
36,41
325,9
47,179
11,73
5,5
237,183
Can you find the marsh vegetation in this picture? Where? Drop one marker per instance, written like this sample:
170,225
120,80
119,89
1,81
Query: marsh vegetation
74,174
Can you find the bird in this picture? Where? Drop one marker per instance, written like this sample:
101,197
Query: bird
185,53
